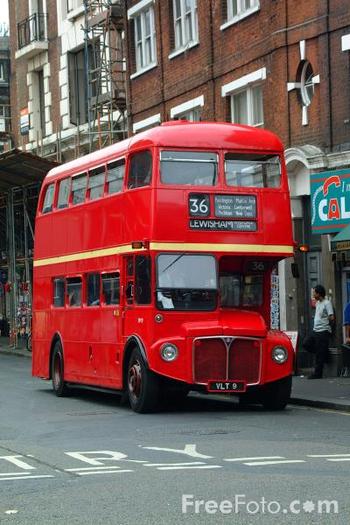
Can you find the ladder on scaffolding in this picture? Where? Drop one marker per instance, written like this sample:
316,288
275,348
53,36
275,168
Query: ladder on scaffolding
105,71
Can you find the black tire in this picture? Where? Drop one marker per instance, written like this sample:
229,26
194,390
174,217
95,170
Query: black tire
57,371
276,395
142,385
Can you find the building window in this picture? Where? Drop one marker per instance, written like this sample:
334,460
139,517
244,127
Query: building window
185,23
190,110
73,4
246,98
77,88
3,71
236,10
247,107
144,35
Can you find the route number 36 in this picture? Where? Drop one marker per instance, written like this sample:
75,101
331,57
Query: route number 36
199,205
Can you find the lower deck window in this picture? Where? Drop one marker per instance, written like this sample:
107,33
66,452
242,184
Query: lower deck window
74,287
111,288
241,290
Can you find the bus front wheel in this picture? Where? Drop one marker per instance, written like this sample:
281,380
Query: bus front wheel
142,385
276,395
57,371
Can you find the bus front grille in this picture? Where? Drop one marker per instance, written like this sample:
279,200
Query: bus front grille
226,358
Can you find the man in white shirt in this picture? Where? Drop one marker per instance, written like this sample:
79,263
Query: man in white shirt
318,341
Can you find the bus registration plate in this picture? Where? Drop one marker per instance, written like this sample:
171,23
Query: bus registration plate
226,386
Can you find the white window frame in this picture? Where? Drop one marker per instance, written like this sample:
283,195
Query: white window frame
345,43
183,40
246,83
2,71
135,13
242,11
146,123
184,109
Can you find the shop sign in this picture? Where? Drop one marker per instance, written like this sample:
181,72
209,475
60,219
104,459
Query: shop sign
24,121
330,201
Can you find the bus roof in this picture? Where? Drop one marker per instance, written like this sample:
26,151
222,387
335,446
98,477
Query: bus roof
180,134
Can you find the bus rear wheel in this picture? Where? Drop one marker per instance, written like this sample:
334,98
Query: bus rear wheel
142,385
276,395
57,371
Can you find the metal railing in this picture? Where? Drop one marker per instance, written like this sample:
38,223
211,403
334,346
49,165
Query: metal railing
32,29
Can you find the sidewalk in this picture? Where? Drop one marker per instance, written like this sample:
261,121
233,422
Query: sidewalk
330,392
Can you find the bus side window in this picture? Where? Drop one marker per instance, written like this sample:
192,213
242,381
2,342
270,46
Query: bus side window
115,176
111,288
58,291
48,200
143,279
96,183
93,289
79,189
63,193
74,288
140,170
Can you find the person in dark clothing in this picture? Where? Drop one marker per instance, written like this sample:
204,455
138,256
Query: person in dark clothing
318,341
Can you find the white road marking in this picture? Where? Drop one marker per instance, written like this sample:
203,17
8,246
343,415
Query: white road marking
103,472
256,458
25,477
108,455
261,463
189,450
186,468
18,462
89,468
11,511
173,464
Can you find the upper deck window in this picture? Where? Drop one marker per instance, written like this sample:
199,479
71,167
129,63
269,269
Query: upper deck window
96,183
252,170
188,168
63,193
115,176
140,171
79,189
48,200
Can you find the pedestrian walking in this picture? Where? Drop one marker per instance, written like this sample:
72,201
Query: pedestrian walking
318,341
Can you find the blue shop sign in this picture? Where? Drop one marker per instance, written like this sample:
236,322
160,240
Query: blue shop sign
330,201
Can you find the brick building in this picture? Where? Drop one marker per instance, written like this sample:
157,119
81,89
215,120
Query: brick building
68,94
5,114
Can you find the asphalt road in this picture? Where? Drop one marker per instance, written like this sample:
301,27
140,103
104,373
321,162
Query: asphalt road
87,459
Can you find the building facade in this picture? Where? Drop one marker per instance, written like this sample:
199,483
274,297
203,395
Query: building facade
68,70
5,113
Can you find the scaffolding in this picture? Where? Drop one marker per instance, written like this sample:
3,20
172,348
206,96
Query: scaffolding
105,66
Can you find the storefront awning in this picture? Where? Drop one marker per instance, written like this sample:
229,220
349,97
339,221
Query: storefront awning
20,168
341,241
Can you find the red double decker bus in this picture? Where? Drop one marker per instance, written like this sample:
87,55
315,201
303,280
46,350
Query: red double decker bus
153,266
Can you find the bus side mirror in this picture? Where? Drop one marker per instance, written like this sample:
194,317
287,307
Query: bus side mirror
295,270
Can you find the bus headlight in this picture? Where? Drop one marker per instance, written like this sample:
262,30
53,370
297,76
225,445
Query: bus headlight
169,352
279,354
